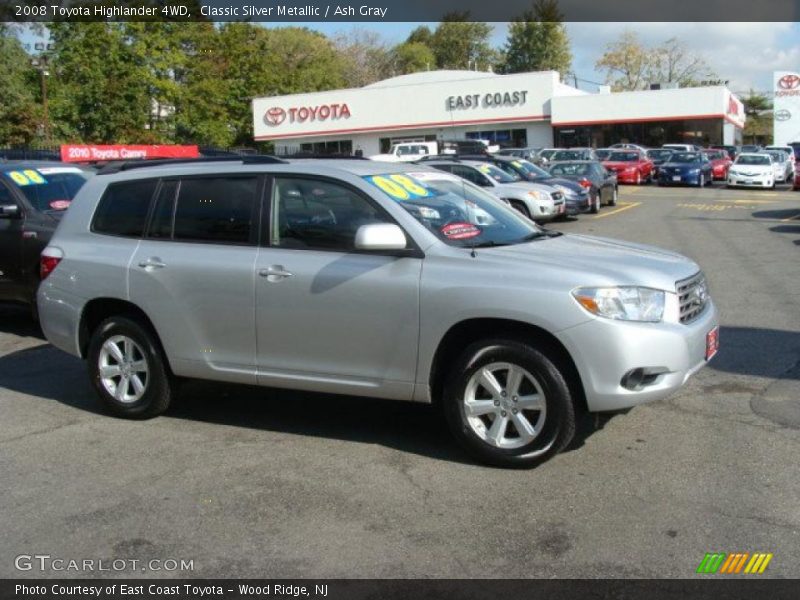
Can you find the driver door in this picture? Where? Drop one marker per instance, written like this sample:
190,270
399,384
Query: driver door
11,226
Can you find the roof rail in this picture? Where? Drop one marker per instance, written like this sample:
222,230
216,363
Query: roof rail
324,156
127,165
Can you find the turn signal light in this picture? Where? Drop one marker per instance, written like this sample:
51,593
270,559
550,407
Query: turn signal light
585,183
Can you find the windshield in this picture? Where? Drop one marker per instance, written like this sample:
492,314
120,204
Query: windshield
686,157
603,153
659,154
624,157
456,211
530,169
498,174
717,154
547,153
48,189
569,169
752,160
568,155
778,156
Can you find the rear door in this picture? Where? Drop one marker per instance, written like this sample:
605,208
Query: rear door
330,318
193,273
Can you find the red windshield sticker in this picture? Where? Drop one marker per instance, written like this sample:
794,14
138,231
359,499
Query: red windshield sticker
60,204
460,231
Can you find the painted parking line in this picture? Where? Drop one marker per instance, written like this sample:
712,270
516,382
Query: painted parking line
623,206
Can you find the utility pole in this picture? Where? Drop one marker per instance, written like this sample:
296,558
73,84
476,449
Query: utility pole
40,64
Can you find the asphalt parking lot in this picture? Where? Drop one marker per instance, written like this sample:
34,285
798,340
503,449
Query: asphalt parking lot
247,482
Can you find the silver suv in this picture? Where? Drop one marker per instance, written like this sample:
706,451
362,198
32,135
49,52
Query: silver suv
370,279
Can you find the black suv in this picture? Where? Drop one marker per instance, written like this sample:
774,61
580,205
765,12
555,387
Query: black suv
33,196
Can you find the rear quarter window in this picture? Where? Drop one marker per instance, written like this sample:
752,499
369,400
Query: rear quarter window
122,210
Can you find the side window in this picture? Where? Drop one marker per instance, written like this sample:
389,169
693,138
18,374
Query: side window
5,195
472,175
123,208
161,222
215,209
314,214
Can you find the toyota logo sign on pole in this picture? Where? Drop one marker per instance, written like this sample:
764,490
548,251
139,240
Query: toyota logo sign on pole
786,122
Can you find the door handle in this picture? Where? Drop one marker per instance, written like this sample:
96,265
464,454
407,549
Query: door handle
275,273
152,263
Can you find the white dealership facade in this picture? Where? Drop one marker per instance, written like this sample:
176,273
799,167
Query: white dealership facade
519,110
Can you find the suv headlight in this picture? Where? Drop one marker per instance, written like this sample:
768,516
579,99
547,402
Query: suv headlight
626,303
540,196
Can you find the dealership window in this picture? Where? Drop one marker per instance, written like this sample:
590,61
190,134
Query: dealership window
505,138
702,132
334,147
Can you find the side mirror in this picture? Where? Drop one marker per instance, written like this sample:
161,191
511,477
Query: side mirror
380,236
9,211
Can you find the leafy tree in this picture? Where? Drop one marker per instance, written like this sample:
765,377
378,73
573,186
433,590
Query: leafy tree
421,35
365,58
460,44
630,65
99,89
411,57
20,113
759,124
537,41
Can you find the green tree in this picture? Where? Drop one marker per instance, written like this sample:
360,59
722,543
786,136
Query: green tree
538,41
99,88
421,35
20,113
460,44
411,57
759,125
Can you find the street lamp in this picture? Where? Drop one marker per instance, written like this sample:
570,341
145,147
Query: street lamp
40,63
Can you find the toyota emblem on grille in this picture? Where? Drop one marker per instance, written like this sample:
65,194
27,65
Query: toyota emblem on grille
782,115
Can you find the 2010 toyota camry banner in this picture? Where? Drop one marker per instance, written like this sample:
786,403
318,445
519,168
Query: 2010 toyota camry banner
91,152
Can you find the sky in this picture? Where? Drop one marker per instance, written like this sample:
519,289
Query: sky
746,54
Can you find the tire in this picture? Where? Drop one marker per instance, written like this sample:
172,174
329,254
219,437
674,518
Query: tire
701,182
138,347
551,426
638,178
614,193
521,207
595,204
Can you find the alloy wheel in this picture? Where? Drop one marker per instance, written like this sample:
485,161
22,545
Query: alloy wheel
123,369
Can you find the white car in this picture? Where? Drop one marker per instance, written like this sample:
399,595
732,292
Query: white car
681,147
784,169
789,153
408,152
752,170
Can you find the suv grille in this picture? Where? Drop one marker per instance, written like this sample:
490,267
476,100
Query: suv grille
692,297
557,196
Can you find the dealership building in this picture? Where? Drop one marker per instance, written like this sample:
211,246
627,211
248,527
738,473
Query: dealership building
519,110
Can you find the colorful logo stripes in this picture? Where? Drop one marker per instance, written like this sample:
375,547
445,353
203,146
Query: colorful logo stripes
734,563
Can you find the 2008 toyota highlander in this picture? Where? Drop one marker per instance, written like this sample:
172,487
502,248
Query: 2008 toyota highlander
371,279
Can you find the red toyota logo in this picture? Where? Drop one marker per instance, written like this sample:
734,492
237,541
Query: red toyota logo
789,82
274,116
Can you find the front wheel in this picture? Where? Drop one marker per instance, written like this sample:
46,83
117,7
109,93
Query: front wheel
595,204
613,201
508,404
128,370
520,207
701,182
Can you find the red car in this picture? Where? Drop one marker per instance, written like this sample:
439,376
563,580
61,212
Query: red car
631,166
720,163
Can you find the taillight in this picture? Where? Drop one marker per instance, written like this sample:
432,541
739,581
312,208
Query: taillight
49,261
585,183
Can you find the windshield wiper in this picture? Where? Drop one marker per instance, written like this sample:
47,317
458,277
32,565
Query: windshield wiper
538,235
488,244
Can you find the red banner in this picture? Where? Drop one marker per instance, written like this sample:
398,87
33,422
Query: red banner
92,153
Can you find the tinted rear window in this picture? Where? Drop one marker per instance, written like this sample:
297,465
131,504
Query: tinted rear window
48,189
123,208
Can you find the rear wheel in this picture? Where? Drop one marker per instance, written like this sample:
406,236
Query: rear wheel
508,404
613,201
128,370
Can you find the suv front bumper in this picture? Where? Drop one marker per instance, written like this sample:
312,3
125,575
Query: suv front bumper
605,350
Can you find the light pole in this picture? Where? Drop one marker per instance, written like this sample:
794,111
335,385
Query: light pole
40,63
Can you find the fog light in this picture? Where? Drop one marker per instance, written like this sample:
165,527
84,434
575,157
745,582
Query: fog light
639,378
633,379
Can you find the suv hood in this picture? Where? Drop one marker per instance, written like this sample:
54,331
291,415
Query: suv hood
587,260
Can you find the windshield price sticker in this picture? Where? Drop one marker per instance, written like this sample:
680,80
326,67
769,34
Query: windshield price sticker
460,231
56,170
400,187
26,177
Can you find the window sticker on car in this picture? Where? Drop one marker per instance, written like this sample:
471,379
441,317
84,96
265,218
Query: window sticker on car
516,163
486,169
60,204
460,231
26,177
54,170
400,187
